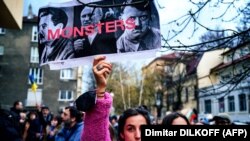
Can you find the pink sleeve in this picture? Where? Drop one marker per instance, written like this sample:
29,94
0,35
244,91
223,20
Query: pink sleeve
96,123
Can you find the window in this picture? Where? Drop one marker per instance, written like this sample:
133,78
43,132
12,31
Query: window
242,102
34,34
34,56
208,106
1,50
231,106
229,57
66,74
221,105
65,95
2,31
34,98
38,75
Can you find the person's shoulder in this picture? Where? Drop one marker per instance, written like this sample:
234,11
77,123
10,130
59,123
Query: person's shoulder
81,124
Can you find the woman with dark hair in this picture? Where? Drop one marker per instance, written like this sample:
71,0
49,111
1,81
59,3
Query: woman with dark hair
129,124
53,128
33,128
175,118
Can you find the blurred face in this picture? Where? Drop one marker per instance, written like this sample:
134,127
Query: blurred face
65,115
22,115
179,121
66,118
46,24
89,17
19,106
45,112
141,21
54,122
131,129
32,116
113,121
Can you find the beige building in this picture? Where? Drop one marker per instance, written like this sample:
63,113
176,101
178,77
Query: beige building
11,15
176,76
224,84
208,61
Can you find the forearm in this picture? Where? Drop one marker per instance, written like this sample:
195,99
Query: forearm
96,123
100,92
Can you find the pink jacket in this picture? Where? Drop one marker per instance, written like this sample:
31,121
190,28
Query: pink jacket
96,123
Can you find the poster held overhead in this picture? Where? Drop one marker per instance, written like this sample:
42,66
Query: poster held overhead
71,34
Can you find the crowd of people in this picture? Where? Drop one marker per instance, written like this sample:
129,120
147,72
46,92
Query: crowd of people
93,124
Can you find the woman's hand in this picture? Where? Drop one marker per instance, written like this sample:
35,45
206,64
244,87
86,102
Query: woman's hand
101,69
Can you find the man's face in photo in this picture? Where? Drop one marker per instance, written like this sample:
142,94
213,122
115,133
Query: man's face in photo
89,17
141,21
45,25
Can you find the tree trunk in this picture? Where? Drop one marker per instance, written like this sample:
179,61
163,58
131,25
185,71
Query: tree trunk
122,90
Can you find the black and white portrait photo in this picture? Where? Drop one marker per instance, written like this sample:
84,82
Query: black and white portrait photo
81,31
93,38
54,43
144,35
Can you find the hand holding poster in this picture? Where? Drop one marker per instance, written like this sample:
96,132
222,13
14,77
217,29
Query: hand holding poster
72,33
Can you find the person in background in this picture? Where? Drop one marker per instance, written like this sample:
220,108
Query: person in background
9,126
53,128
17,109
175,118
33,128
22,121
16,112
203,121
222,119
72,125
45,117
113,133
114,123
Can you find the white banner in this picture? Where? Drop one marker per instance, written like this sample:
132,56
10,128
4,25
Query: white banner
72,33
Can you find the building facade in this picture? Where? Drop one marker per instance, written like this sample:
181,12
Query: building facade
19,59
176,79
226,85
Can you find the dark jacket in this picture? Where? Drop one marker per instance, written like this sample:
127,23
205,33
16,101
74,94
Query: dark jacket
72,134
102,44
9,126
62,49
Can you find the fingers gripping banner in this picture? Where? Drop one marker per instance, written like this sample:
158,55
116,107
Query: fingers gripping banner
71,33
